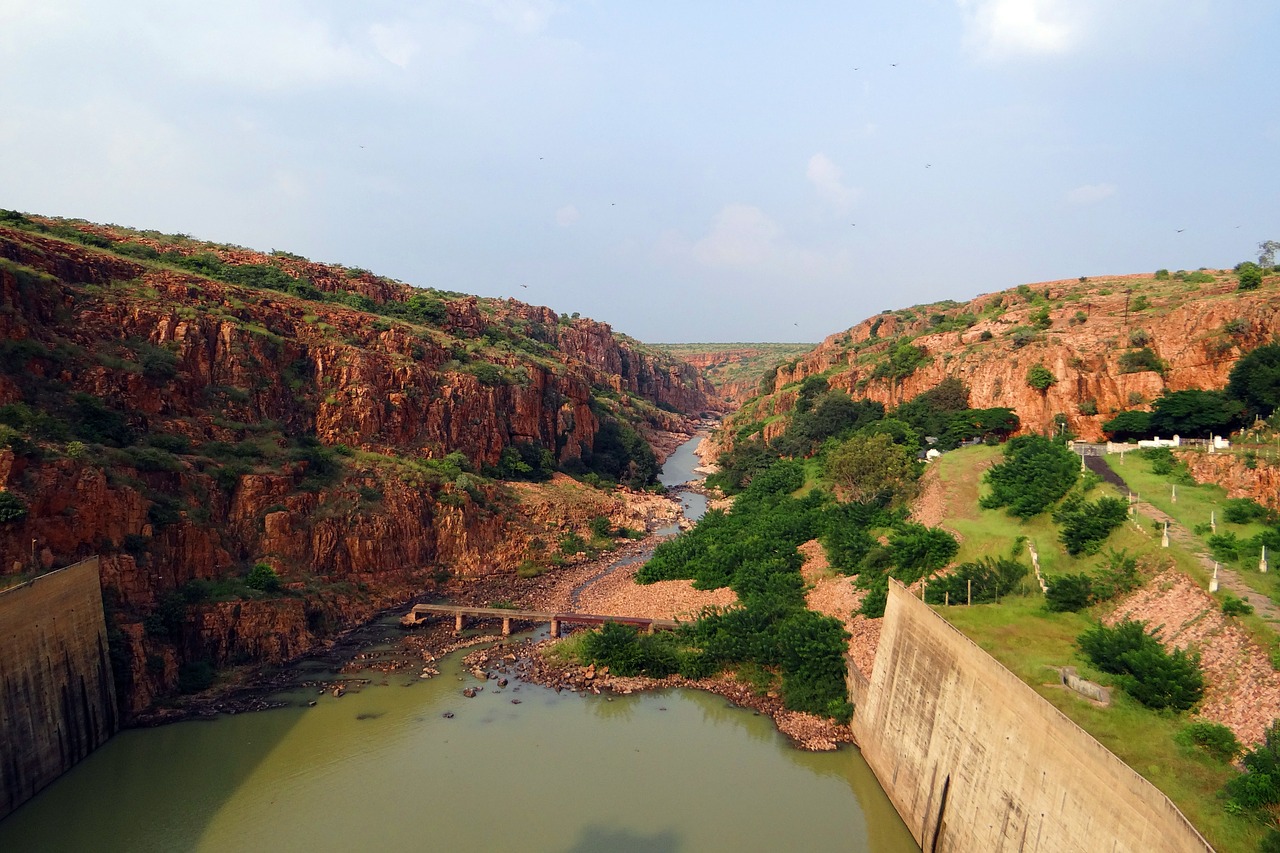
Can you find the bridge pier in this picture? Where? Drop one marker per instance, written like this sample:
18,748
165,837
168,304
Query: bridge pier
555,628
457,623
506,626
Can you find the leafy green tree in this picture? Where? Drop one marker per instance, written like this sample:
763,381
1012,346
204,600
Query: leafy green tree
1195,413
1260,786
869,467
11,507
1128,425
989,578
1035,474
810,389
1267,252
1255,380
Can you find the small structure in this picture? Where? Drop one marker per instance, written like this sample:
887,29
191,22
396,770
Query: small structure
1176,441
1164,538
1213,581
1262,563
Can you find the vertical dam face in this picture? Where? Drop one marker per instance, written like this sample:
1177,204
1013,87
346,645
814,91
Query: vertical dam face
974,759
57,696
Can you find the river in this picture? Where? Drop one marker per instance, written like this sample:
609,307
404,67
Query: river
411,764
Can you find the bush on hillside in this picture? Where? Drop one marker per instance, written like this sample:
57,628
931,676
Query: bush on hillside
1259,787
1255,380
1086,525
1068,593
1243,511
1154,677
1214,738
1035,474
990,578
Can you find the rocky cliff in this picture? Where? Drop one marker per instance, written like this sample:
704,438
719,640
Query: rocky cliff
1111,344
188,410
736,370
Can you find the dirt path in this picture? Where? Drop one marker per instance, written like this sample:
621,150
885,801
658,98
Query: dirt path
1229,579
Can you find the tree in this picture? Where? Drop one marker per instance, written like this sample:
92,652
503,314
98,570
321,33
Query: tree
1127,425
1040,377
1255,380
868,467
1267,252
1036,473
1193,413
1250,275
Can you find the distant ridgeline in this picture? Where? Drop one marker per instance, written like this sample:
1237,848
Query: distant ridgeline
264,449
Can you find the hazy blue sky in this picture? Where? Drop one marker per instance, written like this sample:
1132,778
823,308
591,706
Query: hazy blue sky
685,171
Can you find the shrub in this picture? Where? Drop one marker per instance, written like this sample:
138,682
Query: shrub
1233,606
262,577
12,507
1249,275
918,550
989,578
1139,338
1243,511
986,335
1140,303
1085,525
1088,407
1214,738
1069,593
1154,677
1260,786
572,543
1040,377
1117,575
1035,474
1162,275
1140,360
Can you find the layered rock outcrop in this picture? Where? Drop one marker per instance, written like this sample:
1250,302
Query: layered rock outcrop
1111,344
186,428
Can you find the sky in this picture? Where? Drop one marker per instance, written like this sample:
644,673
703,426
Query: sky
692,171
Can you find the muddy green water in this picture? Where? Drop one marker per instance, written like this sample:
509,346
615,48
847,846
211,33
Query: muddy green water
384,769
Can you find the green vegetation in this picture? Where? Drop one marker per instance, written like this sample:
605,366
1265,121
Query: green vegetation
871,467
1155,677
1040,377
262,577
1141,360
1255,381
1036,473
12,507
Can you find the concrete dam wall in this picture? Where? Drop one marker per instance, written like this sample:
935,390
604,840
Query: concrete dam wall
57,696
975,759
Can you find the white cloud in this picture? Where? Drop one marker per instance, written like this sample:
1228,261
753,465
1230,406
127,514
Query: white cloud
567,215
741,236
1001,29
743,240
828,179
394,44
526,16
1091,193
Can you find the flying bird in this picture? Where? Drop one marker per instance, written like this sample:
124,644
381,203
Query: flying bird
928,165
1180,230
524,285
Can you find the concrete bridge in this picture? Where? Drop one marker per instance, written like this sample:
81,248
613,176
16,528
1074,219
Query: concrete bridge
419,612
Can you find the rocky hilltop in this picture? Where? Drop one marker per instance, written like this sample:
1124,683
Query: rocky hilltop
189,410
1110,344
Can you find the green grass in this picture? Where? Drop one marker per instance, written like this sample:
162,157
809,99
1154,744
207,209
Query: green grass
1192,508
1028,640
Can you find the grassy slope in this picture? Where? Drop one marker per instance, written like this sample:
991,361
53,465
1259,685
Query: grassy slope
1027,639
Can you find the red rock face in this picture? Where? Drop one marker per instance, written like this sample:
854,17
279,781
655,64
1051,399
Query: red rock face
250,368
1260,482
1199,332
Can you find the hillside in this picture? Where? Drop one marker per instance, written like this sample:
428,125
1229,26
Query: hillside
1111,344
190,410
736,370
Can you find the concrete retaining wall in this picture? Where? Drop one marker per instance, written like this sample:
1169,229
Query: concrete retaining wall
974,759
57,696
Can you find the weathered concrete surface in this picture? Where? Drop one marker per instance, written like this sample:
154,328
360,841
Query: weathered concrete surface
974,759
57,697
